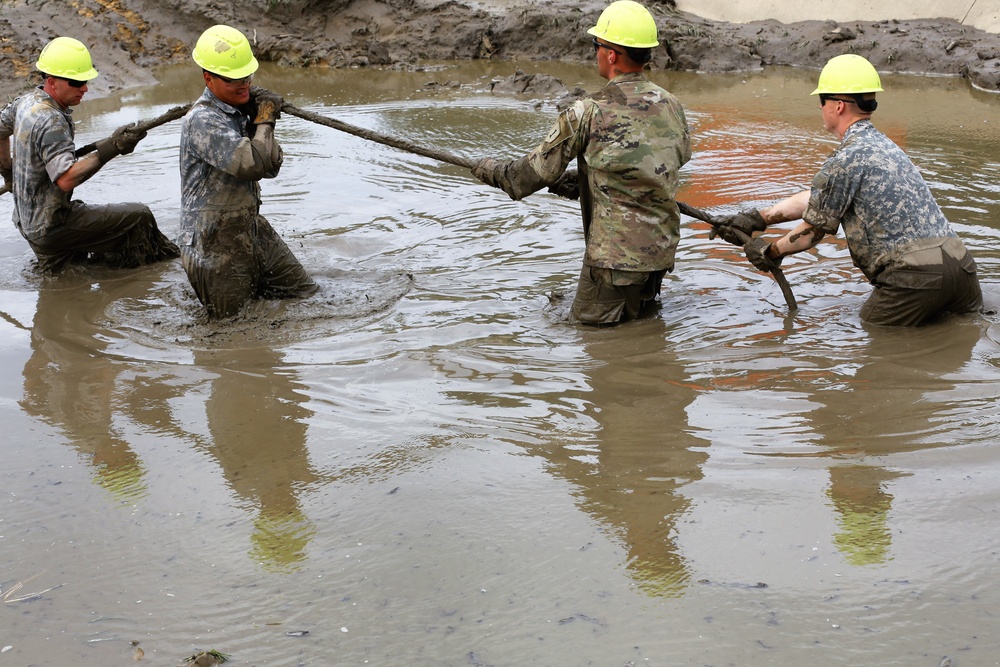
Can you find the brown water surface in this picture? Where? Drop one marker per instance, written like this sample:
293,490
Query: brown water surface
426,464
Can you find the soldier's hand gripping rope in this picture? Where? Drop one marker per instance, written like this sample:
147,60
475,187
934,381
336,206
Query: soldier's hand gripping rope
732,230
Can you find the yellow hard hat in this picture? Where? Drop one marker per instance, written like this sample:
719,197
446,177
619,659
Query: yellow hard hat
626,23
848,74
66,58
225,51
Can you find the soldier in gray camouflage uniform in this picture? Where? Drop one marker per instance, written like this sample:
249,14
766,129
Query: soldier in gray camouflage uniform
895,230
629,140
230,252
42,168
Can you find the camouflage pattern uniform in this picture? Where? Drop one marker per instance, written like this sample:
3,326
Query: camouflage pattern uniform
630,141
895,230
58,229
230,252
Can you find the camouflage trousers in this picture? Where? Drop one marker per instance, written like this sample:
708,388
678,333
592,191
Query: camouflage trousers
921,290
114,235
242,258
607,296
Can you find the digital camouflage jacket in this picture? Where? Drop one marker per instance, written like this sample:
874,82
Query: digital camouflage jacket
871,187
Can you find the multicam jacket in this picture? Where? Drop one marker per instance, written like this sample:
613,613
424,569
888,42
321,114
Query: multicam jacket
42,149
871,187
630,140
221,166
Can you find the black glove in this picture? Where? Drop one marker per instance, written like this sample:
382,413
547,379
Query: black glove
121,142
567,186
8,176
268,105
756,251
485,170
747,222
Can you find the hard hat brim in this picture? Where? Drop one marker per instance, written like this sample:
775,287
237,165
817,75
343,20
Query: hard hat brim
596,32
229,73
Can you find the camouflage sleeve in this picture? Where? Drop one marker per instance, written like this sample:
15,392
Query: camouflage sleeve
686,141
216,142
546,163
828,200
562,144
266,152
53,140
7,121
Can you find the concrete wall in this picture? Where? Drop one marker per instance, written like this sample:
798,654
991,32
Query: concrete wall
982,14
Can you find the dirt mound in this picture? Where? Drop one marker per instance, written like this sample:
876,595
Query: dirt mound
130,37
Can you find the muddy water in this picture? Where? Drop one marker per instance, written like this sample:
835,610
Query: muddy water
427,465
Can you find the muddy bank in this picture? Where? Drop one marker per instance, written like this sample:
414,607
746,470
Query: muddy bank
130,38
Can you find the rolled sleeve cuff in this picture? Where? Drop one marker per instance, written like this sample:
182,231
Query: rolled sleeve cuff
824,222
59,165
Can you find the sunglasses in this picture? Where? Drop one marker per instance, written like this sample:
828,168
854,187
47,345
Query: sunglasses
235,82
598,45
865,106
73,83
823,99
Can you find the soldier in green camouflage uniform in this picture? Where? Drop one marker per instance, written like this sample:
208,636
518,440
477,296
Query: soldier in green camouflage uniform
629,140
895,230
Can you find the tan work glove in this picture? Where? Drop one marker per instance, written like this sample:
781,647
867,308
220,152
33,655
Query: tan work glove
268,105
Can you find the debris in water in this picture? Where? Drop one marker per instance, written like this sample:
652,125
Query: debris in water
205,659
8,596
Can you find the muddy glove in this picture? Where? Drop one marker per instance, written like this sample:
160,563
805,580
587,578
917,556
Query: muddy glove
121,142
748,222
8,176
567,186
756,251
128,138
268,105
485,170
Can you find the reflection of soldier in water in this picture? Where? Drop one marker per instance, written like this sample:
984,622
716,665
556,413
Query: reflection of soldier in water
255,419
862,505
888,407
74,390
643,454
258,429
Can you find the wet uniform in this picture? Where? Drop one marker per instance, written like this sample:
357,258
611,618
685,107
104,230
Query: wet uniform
895,230
58,229
630,141
230,252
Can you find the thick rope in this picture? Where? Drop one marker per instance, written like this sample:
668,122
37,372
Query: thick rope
378,137
145,126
